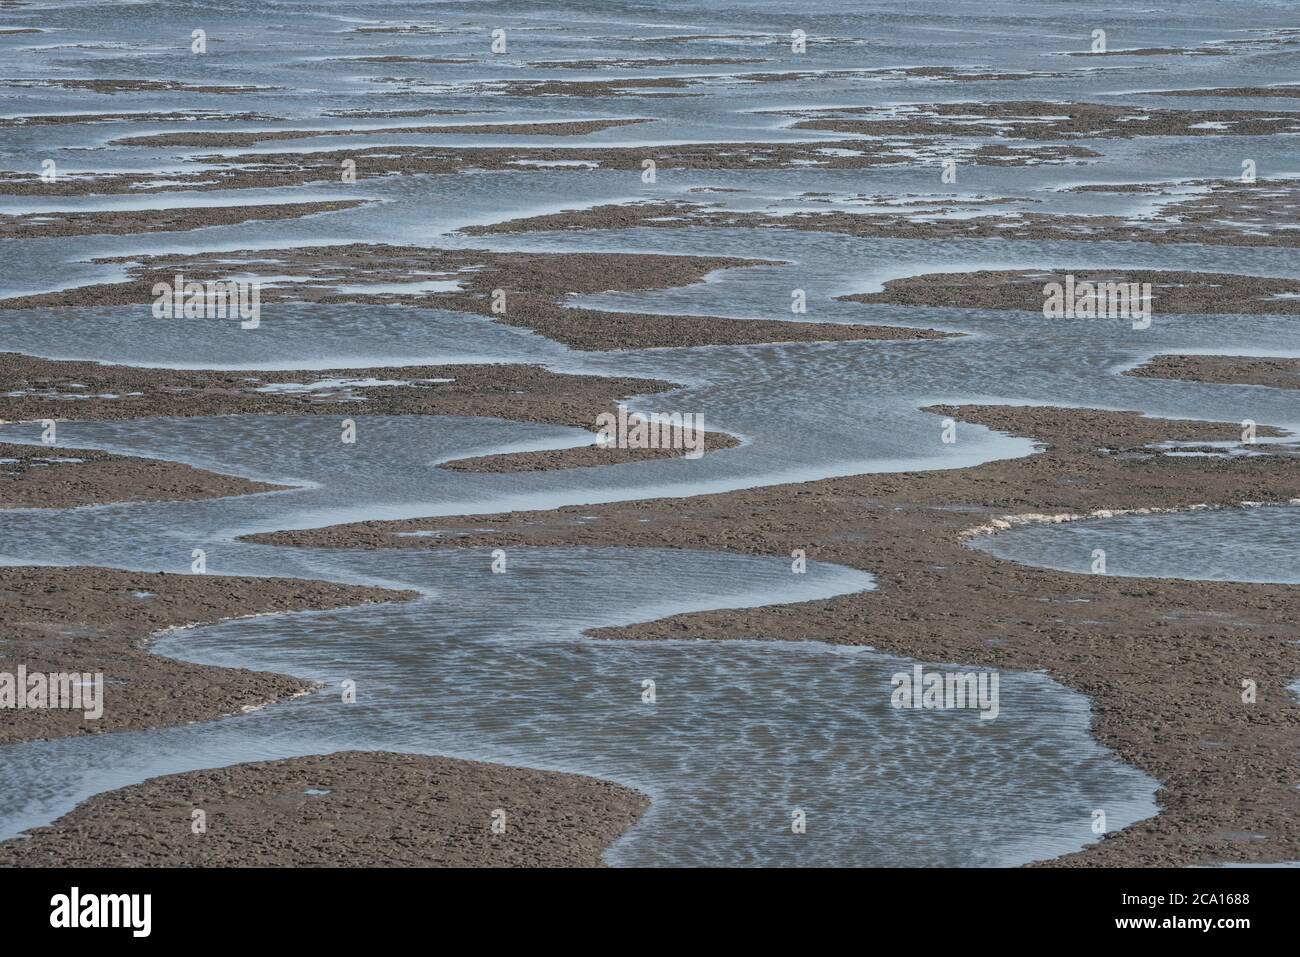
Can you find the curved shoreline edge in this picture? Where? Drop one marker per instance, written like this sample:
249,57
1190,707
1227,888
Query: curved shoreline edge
1161,660
1072,438
91,619
320,810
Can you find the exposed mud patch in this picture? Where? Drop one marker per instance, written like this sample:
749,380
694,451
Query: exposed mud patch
533,286
47,476
1183,293
347,809
98,620
1230,370
131,221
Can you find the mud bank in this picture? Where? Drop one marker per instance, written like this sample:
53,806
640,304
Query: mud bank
1161,659
88,391
172,116
348,809
108,85
1243,92
267,170
518,289
98,621
50,388
129,221
46,476
1180,293
1045,120
638,86
1228,370
1220,213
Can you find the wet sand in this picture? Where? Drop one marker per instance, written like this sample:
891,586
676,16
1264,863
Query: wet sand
348,809
89,391
1229,370
1244,92
47,476
851,153
176,116
99,620
1183,293
267,170
1160,659
399,58
1228,213
637,86
629,86
535,287
123,222
525,393
1046,120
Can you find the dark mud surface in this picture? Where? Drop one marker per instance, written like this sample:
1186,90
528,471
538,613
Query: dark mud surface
348,809
54,389
122,222
1044,120
1225,213
534,288
1228,370
266,170
46,476
98,620
175,116
1186,293
520,392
